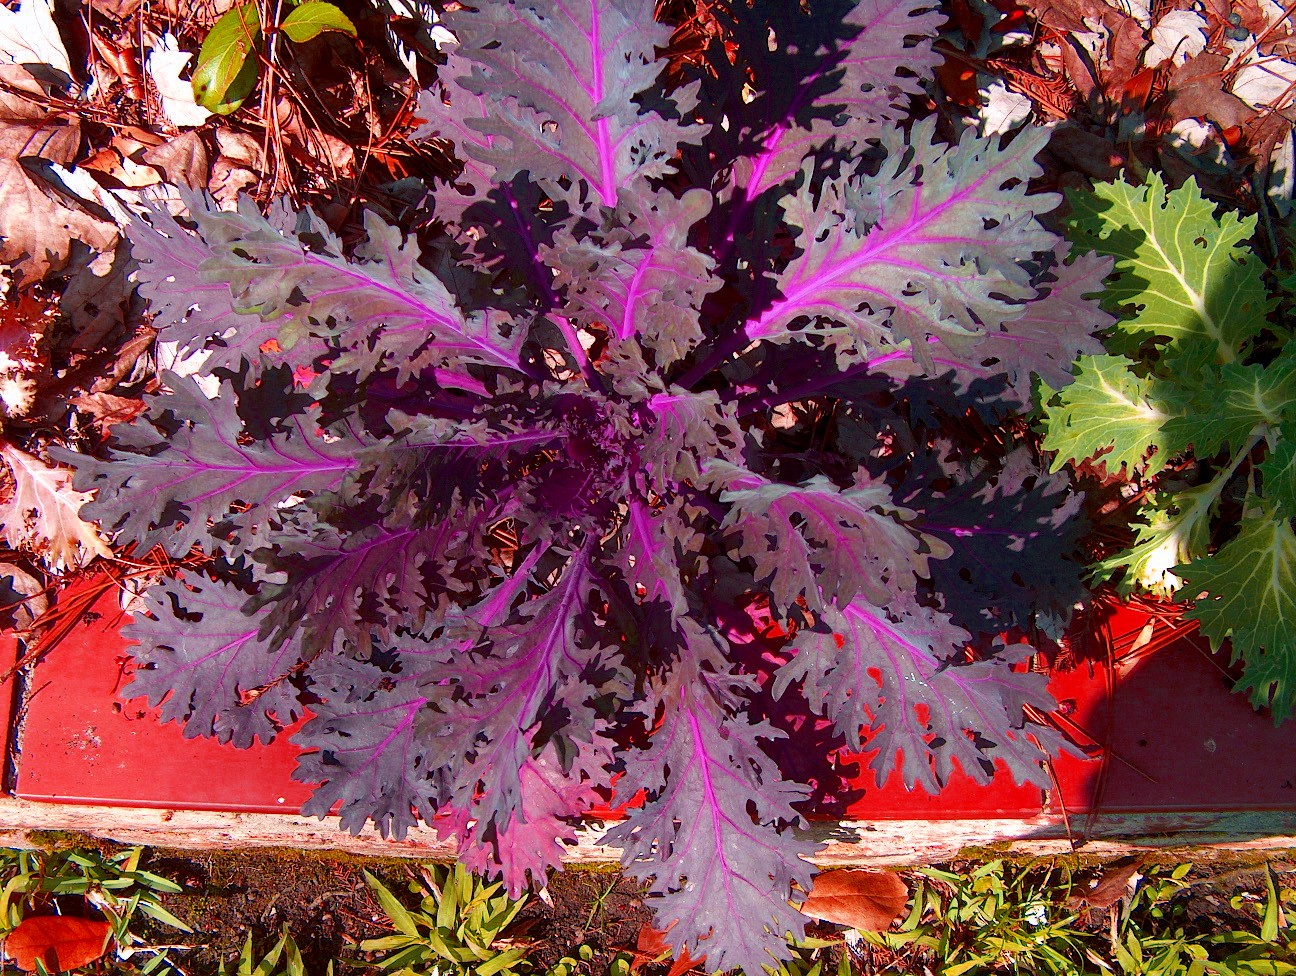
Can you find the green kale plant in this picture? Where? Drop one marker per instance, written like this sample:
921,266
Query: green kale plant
1196,364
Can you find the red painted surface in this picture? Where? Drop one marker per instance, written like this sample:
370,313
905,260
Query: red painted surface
1173,717
80,744
1177,737
9,650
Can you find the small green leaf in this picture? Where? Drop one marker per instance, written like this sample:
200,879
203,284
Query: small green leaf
1107,406
1177,531
1239,400
314,18
227,67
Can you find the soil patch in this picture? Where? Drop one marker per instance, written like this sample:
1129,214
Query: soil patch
324,902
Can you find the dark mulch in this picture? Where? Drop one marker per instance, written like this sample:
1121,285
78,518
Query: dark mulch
327,906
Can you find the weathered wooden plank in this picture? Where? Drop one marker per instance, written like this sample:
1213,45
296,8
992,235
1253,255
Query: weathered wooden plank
896,842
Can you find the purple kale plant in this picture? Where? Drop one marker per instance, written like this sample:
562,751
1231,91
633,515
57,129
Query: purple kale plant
653,351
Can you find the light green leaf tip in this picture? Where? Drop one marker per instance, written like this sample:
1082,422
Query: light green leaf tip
311,19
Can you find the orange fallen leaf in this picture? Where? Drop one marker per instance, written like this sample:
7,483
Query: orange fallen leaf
652,945
865,900
60,942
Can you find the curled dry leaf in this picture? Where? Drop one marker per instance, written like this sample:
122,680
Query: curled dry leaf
58,942
107,409
865,900
23,598
164,64
37,225
1110,886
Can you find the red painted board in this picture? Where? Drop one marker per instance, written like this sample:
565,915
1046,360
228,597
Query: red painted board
1177,737
10,648
79,744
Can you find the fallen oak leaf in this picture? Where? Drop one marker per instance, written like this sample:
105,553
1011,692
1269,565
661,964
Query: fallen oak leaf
868,901
37,226
57,942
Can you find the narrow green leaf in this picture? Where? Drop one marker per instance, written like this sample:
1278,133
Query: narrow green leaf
1273,913
164,916
395,911
159,883
314,18
227,68
501,962
245,958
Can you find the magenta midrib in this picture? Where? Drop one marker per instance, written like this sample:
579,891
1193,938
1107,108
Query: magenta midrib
756,328
709,797
771,147
627,327
540,658
428,314
603,138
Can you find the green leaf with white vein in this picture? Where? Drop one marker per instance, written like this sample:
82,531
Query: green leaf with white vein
1250,596
1107,408
1243,401
1177,531
1279,474
1186,275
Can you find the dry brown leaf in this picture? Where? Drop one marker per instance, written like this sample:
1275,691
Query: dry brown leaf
107,409
868,901
1111,886
59,942
1087,152
42,513
96,296
182,160
37,225
1071,16
116,9
239,148
23,598
311,145
1199,93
